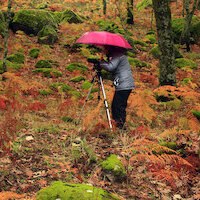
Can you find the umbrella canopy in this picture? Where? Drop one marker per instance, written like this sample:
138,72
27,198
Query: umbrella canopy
102,38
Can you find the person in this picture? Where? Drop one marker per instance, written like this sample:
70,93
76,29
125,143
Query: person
118,64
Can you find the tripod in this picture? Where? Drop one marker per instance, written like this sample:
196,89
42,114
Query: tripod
100,82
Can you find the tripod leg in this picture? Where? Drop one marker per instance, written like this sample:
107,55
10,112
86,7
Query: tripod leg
77,122
106,103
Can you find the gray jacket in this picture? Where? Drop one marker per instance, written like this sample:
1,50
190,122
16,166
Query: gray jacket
120,67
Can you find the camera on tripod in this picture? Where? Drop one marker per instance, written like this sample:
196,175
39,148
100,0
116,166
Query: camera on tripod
96,62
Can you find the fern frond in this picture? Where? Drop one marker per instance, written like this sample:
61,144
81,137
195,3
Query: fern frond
159,149
143,4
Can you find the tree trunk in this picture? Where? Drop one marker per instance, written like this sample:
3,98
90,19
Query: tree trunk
104,7
6,36
130,12
167,74
185,36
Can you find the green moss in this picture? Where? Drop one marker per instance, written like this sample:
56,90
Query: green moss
156,52
130,54
73,66
196,113
86,85
47,129
34,52
43,64
47,35
18,58
67,119
47,72
114,165
31,21
45,92
9,65
63,86
151,38
170,145
141,43
77,79
183,62
138,63
76,94
70,191
174,104
71,17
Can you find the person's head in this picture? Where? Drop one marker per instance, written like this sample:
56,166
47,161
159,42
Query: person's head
113,50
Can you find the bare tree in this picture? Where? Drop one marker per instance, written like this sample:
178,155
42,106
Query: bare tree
8,15
162,11
185,36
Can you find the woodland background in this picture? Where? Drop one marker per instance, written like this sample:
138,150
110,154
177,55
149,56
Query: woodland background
40,142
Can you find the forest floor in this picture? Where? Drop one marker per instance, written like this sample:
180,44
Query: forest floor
44,148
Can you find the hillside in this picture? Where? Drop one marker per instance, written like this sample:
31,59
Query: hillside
39,140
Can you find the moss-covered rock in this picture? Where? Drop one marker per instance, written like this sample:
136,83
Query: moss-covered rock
130,54
70,191
77,79
151,38
141,43
71,17
156,52
86,85
2,24
63,86
174,104
43,64
73,66
48,72
138,63
34,52
31,21
9,66
183,62
47,35
114,166
18,58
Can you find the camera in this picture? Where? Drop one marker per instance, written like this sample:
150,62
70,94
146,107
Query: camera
96,63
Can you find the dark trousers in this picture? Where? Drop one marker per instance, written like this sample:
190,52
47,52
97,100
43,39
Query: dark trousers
119,105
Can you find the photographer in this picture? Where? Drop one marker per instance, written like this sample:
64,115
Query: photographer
118,64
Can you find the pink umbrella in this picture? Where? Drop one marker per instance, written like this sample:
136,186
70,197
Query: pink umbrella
102,38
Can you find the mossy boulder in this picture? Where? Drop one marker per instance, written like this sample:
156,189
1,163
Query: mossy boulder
34,52
86,85
9,66
77,79
64,87
47,35
141,43
156,52
178,25
48,72
43,64
174,104
70,191
31,21
114,166
71,17
18,58
138,63
183,62
2,24
73,66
